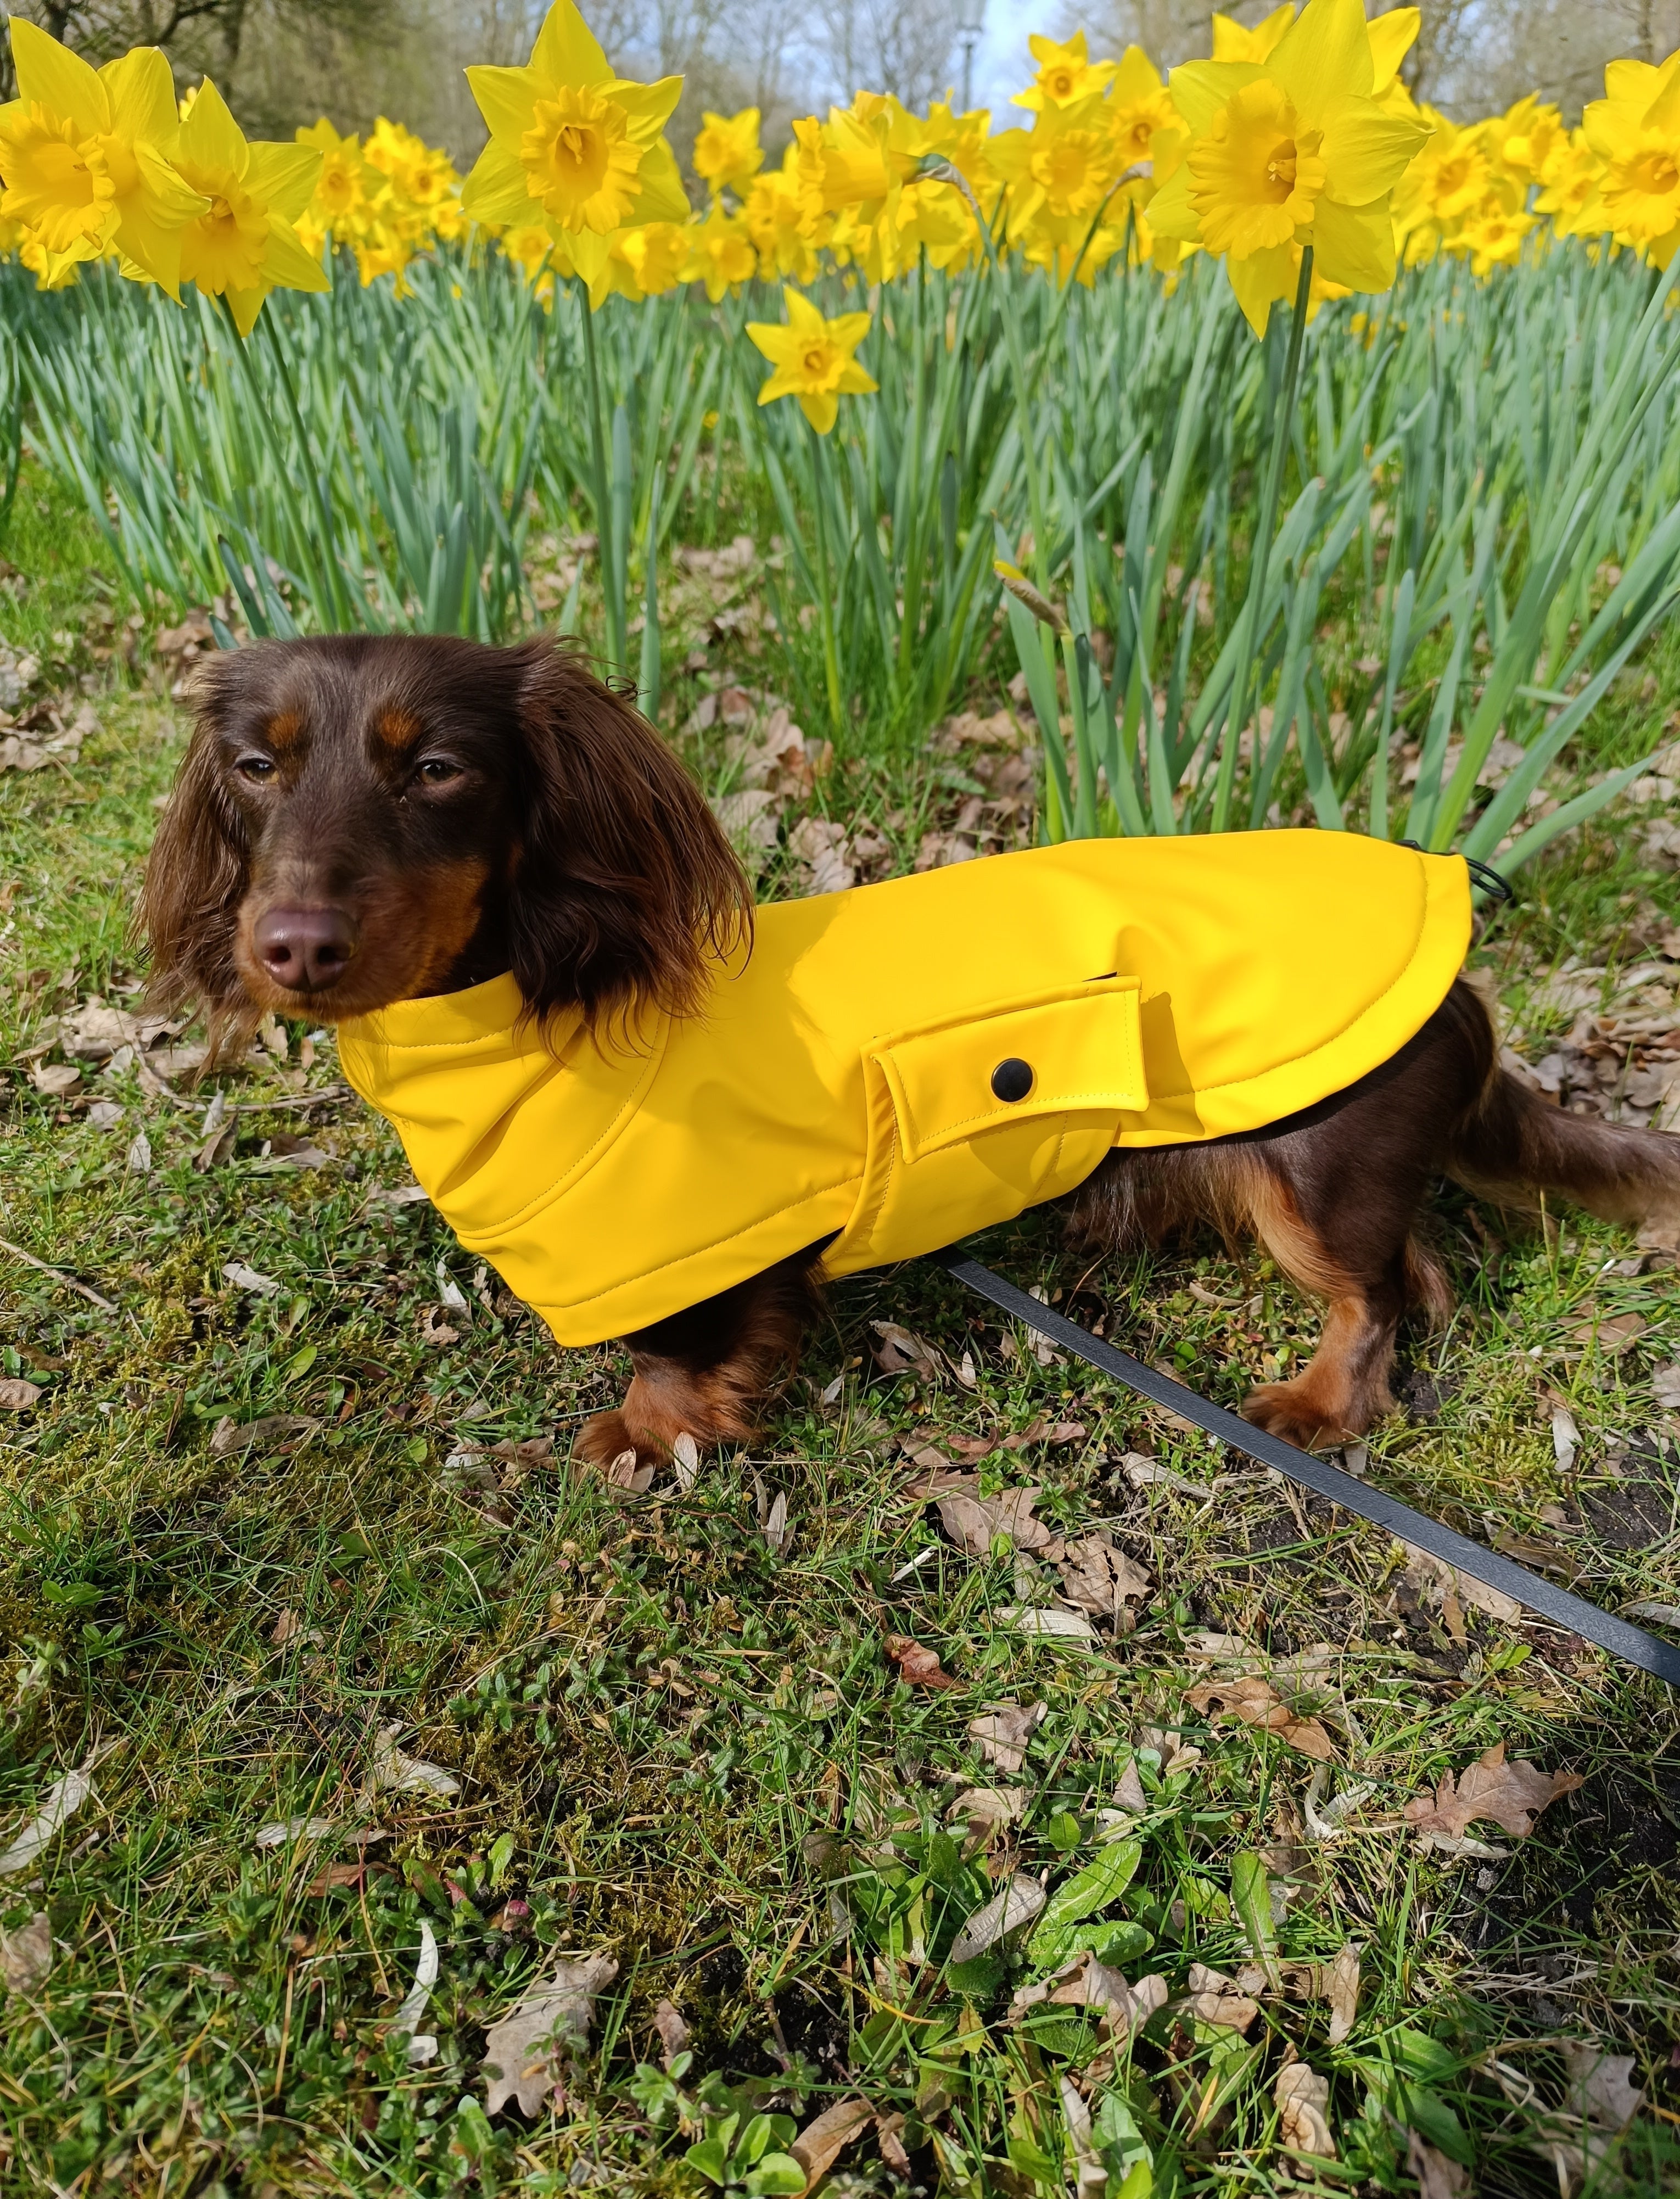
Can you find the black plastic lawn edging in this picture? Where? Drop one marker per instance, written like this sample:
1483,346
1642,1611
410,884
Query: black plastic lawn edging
1632,1644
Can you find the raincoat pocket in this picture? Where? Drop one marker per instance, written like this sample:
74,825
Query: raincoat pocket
972,1120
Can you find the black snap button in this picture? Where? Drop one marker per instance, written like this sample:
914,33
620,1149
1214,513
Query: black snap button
1012,1079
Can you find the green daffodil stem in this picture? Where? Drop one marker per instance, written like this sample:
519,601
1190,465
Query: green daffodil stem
605,547
824,593
1248,629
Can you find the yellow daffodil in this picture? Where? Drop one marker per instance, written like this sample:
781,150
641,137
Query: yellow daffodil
812,359
1569,192
1290,152
339,204
1064,168
1527,135
86,158
1493,236
1634,130
719,253
1065,73
244,245
1139,104
1235,42
727,154
846,162
573,144
775,219
420,175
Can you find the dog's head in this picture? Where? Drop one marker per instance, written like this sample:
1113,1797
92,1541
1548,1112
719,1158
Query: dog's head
363,819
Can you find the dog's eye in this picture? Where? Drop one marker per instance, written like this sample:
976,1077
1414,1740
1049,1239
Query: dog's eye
259,768
437,770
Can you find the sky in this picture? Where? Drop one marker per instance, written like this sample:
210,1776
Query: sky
1002,62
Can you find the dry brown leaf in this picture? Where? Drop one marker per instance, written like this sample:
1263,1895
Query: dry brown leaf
275,1432
1438,2175
672,2031
344,1877
989,1810
1002,1735
408,1774
286,1626
1256,1703
1434,1579
1338,1984
1512,1795
1008,1911
435,1331
887,2129
1043,1429
1102,1580
1599,2088
1612,1333
1303,2097
525,2054
1085,1982
826,2135
622,1473
1215,1998
58,1805
918,1667
26,1955
901,1352
972,1521
17,1396
1128,1792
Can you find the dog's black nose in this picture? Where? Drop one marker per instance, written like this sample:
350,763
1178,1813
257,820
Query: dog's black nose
305,949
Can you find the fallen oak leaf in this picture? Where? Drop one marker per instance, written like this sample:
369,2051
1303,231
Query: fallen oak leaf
901,1351
672,2031
1002,1735
1215,1998
826,2135
1513,1795
1337,1983
26,1955
973,1522
1599,2087
1257,1703
17,1396
1302,2097
918,1667
1005,1913
526,2052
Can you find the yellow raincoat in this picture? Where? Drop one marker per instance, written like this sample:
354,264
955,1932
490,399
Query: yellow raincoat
909,1062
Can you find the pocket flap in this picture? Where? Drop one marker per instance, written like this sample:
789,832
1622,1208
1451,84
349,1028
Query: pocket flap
1077,1051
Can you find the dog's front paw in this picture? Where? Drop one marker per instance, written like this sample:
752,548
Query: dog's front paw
606,1437
1293,1411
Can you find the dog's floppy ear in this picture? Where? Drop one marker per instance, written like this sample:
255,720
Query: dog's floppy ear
626,888
195,879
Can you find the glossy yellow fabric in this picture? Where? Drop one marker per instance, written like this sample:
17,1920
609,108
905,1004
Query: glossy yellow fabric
839,1081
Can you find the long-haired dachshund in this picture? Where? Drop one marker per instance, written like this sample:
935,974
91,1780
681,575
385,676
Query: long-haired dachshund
361,821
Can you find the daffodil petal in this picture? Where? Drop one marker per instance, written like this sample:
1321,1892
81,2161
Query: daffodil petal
496,190
660,196
567,50
289,265
1324,58
821,408
211,136
285,175
1200,88
1260,280
507,99
1355,245
141,89
1366,152
59,80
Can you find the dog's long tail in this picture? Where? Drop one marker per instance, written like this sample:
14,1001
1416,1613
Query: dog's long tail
1513,1146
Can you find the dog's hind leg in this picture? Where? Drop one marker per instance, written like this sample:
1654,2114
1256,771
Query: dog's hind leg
708,1372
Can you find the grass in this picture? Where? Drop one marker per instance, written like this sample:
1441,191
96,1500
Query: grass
678,1747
